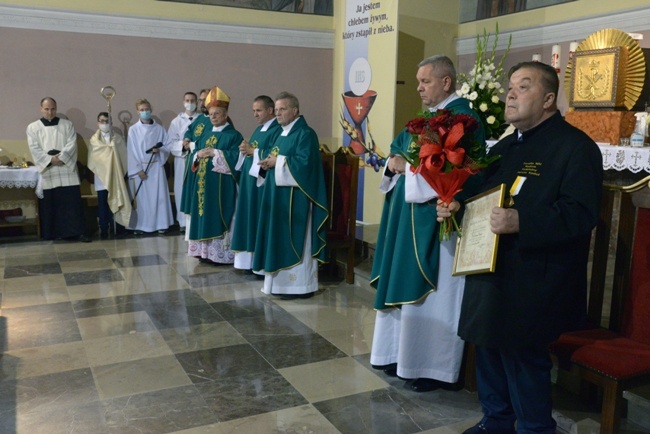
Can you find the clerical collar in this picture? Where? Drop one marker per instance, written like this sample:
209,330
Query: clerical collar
190,117
522,136
441,105
287,128
51,123
219,128
267,124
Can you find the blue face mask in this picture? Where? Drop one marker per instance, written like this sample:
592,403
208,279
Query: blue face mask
145,116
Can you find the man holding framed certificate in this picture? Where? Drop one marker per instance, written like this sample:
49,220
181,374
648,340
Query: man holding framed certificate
553,172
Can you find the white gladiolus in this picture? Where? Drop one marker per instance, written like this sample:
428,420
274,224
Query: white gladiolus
490,120
501,90
497,85
473,96
491,85
471,105
483,107
465,88
495,99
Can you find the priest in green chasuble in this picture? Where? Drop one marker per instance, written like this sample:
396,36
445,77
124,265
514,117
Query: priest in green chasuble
193,134
291,239
215,190
248,210
418,300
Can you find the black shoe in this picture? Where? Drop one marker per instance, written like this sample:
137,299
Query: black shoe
296,296
479,428
422,385
103,235
390,370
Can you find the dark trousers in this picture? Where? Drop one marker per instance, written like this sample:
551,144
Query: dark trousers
515,384
61,213
104,211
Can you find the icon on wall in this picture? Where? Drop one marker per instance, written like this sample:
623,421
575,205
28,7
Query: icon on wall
358,102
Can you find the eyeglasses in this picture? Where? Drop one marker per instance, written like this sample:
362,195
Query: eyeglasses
103,121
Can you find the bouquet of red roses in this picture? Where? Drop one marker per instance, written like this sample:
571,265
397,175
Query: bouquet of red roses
445,154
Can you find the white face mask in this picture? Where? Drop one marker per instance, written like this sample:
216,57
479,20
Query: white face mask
105,128
190,107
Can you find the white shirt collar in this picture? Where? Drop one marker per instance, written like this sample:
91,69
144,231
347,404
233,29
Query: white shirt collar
220,129
267,124
444,103
287,128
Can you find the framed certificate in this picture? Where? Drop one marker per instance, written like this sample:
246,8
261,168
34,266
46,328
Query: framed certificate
476,249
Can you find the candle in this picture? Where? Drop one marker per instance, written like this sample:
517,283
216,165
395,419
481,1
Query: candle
537,57
573,46
555,57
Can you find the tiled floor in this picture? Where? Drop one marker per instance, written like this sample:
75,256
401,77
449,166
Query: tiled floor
132,336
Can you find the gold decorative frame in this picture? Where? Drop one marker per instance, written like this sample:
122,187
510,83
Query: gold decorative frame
599,78
476,249
634,70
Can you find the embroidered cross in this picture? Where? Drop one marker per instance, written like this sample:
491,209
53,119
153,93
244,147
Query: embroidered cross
359,107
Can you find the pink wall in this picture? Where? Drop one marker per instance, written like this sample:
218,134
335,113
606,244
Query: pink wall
73,67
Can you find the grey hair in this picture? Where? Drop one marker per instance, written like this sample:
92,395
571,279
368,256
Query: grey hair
291,98
443,67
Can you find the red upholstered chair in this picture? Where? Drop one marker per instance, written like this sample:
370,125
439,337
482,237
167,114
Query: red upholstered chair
341,170
623,362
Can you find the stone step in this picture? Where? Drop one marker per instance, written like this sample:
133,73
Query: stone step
638,406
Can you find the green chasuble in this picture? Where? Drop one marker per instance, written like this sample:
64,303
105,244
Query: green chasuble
247,213
215,194
282,226
199,126
405,268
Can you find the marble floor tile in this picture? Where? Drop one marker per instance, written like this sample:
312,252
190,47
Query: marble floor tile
85,255
95,276
50,281
32,297
161,278
286,351
161,411
304,419
35,259
115,325
31,270
30,248
46,393
201,337
106,289
34,362
87,265
124,348
322,319
227,292
43,313
37,334
139,261
227,276
139,376
249,394
217,363
273,322
83,418
352,341
246,308
62,246
172,300
182,316
332,379
107,306
389,411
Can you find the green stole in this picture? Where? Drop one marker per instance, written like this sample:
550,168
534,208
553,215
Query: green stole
247,213
405,268
282,227
215,194
194,132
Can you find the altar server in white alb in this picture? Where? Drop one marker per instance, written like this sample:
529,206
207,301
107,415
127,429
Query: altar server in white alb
175,135
147,180
53,144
